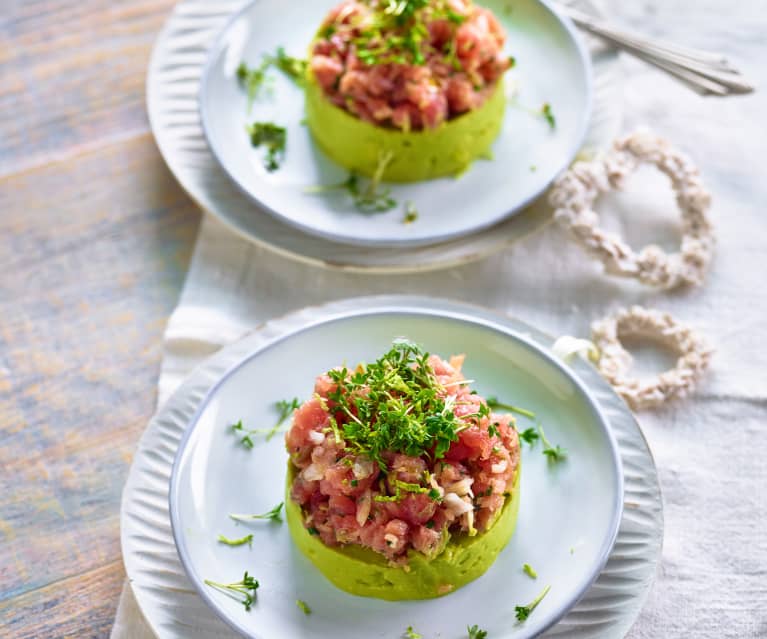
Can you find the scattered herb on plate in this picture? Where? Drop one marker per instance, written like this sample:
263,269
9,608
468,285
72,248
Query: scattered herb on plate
370,198
412,634
529,571
493,403
247,539
294,68
554,453
273,515
411,213
303,607
246,439
252,79
548,114
243,591
274,138
523,612
475,632
285,409
530,435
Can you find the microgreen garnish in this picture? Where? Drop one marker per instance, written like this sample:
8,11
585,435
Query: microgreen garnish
285,408
247,539
475,632
402,399
523,612
411,213
273,137
529,571
295,68
367,199
243,591
492,430
245,440
412,634
252,79
303,607
312,530
549,115
530,435
554,453
493,403
397,32
273,515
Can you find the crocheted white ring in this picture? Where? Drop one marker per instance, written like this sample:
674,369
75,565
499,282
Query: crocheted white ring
574,193
615,361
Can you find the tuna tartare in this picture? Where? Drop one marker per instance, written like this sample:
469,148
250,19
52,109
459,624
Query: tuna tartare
417,82
402,482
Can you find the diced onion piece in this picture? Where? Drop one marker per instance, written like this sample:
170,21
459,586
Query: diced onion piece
566,346
313,472
362,468
363,508
316,437
500,467
461,487
457,505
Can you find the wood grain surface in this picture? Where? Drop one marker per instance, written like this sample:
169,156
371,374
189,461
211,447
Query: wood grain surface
95,236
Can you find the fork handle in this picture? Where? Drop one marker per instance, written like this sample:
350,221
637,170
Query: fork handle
708,73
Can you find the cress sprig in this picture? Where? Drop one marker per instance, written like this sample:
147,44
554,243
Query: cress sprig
396,31
395,404
243,591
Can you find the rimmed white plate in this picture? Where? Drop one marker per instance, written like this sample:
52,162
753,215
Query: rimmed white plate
569,512
173,81
552,66
172,606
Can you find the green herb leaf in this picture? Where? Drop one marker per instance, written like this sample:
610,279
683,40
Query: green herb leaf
529,571
243,591
273,515
295,68
285,409
554,453
411,213
549,115
412,634
252,79
247,539
273,137
403,400
523,612
530,435
475,632
303,607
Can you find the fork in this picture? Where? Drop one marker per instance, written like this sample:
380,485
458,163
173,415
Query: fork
705,73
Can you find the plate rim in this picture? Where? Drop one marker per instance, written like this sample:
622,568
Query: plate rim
374,306
215,50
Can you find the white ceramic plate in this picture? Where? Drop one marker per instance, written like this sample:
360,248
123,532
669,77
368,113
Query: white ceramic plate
569,513
170,603
173,82
552,66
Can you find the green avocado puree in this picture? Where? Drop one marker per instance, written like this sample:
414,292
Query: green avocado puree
359,146
364,572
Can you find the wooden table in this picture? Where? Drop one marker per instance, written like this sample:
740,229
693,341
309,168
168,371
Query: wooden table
95,236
